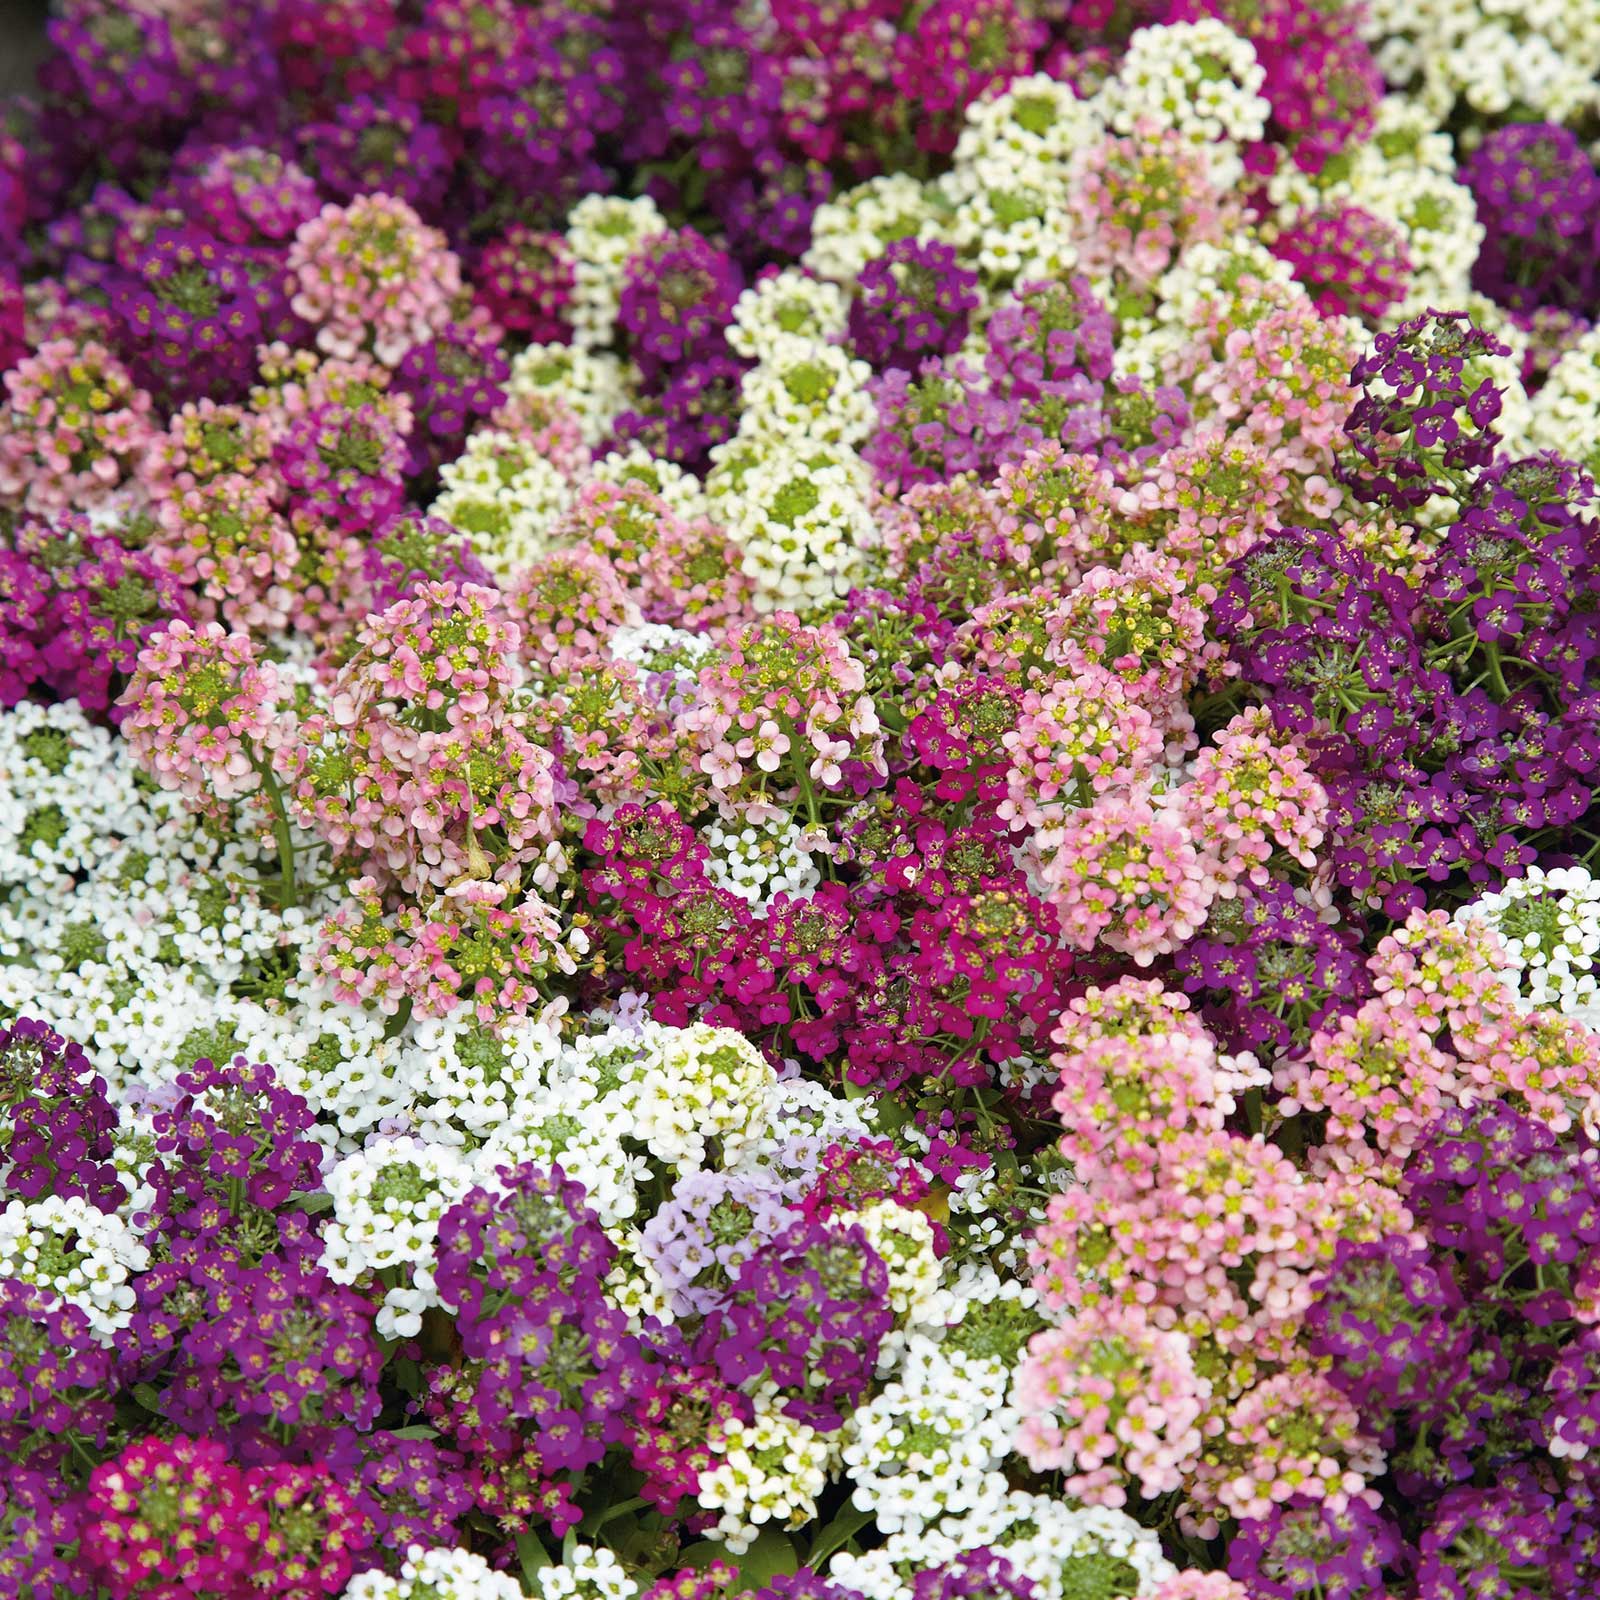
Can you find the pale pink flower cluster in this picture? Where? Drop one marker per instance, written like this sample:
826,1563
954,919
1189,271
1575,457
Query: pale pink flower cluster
226,540
487,946
421,769
1115,1093
1442,1030
1110,1401
1250,794
1378,1073
1292,1436
1194,1250
73,427
1054,512
372,276
780,709
296,382
1197,1585
1142,621
1212,499
568,603
1284,379
683,573
1082,738
1126,873
203,441
1139,202
204,714
614,734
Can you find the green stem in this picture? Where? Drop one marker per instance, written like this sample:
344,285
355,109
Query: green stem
289,889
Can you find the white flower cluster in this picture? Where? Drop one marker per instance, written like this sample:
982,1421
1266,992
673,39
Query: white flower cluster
1562,413
591,384
602,232
585,1573
757,860
904,1237
634,464
67,796
767,1471
856,226
77,1253
1531,60
930,1442
1549,925
387,1204
1038,119
801,389
1066,1550
505,496
438,1574
1199,79
787,305
801,511
128,925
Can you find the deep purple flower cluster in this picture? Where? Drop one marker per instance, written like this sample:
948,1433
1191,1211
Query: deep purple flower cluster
807,1312
76,607
1538,198
913,301
1467,1350
56,1121
554,1373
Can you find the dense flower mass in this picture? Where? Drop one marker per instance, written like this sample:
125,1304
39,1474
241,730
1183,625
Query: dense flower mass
801,799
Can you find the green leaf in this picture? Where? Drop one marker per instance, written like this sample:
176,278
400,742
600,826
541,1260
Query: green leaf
772,1554
416,1431
533,1556
149,1397
849,1522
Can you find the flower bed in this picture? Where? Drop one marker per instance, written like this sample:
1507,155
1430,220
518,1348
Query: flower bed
798,799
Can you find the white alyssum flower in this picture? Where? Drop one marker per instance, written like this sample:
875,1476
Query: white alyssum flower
802,515
678,1091
592,384
387,1204
1537,58
603,231
336,1057
1066,1550
1037,118
1199,79
1549,926
904,1237
437,1574
505,496
77,1253
1562,413
852,228
679,487
757,860
791,304
802,391
466,1083
931,1441
586,1573
1011,219
68,797
766,1472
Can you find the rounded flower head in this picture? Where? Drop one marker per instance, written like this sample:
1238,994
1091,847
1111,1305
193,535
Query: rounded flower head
372,276
167,1519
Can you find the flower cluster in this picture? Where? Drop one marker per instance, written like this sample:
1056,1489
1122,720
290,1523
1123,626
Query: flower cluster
801,799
